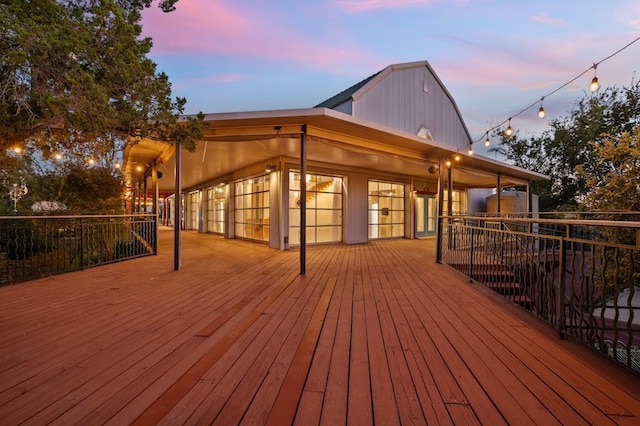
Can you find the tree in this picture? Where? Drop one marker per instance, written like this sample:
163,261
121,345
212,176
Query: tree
571,142
76,71
616,185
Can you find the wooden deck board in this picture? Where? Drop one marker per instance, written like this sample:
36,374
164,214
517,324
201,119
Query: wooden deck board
375,333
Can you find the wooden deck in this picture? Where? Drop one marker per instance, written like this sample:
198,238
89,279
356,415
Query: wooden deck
374,333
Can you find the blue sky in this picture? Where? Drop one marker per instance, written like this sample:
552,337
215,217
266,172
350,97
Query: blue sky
494,56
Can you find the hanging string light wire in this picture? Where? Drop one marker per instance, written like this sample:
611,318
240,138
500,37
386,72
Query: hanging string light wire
593,67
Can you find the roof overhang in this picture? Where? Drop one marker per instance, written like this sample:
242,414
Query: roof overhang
234,141
140,154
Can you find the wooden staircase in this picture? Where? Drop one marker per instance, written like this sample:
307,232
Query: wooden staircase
313,191
499,278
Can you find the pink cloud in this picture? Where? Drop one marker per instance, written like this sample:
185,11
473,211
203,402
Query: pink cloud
209,80
365,5
628,14
210,27
522,64
543,18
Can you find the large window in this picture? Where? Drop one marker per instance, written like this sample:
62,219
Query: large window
386,209
457,203
252,208
324,208
215,210
193,210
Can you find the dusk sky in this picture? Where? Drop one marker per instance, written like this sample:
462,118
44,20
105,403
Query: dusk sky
495,57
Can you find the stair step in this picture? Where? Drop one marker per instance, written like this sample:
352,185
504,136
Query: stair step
493,276
505,289
522,300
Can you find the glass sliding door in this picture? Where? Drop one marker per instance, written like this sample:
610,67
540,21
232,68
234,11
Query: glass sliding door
426,215
193,210
215,210
386,209
324,208
251,201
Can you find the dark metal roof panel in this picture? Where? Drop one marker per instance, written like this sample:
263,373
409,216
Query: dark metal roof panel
345,95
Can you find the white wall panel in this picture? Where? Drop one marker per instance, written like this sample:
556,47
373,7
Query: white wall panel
398,100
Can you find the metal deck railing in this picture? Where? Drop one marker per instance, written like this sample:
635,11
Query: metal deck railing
38,246
583,278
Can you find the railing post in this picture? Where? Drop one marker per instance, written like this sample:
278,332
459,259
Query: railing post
471,257
154,233
82,242
560,317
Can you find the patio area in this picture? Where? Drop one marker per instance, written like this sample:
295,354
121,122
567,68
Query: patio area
374,333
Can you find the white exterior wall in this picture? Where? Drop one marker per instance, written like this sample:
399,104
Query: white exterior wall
356,225
276,217
396,99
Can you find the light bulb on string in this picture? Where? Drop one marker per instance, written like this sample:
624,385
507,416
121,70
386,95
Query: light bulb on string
594,86
487,142
470,150
509,130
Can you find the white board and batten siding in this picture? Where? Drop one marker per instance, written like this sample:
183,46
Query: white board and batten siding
407,97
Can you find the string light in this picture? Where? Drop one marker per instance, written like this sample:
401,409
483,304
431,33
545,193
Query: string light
487,142
509,131
541,110
595,85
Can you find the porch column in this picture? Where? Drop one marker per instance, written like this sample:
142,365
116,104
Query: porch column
529,205
303,200
449,191
529,199
146,195
132,208
154,206
499,193
440,222
177,241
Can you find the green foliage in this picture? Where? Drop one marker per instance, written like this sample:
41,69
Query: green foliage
571,144
75,80
20,239
613,176
85,189
73,71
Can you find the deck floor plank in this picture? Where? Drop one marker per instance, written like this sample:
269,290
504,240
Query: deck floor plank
376,333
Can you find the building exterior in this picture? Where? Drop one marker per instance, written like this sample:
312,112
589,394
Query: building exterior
378,160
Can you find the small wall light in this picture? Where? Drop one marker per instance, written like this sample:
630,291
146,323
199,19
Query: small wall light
270,168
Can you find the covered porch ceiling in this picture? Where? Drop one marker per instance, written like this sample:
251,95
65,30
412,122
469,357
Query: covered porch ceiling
237,140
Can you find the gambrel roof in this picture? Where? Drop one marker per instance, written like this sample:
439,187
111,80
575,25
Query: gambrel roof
345,95
409,97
